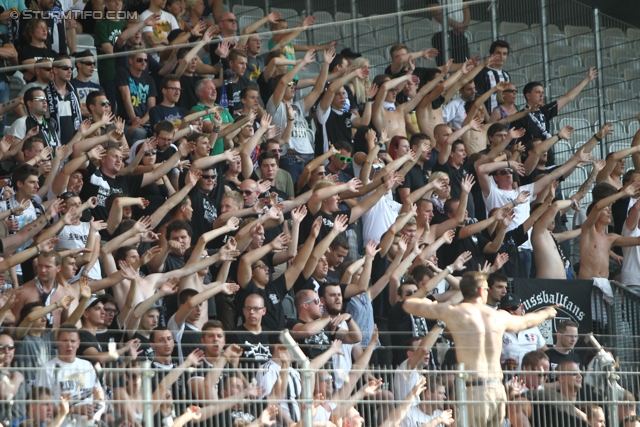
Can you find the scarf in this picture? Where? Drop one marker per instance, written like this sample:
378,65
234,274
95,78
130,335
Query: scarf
539,121
46,298
51,92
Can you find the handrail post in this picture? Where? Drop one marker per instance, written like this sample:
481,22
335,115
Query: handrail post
306,401
445,31
599,81
399,21
310,37
354,26
147,393
493,7
462,411
545,49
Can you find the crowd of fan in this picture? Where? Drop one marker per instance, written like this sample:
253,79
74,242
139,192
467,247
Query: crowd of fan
189,225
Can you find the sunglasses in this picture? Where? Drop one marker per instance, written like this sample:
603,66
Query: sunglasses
68,195
260,266
150,152
511,90
292,83
344,158
7,347
140,60
65,67
322,173
40,98
105,102
209,176
315,300
230,20
89,64
247,192
47,68
504,172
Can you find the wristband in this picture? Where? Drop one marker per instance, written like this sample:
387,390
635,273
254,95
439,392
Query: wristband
38,249
450,269
508,165
595,135
382,179
291,119
349,319
11,212
558,135
441,323
371,99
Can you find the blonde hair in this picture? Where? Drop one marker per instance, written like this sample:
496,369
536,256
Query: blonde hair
360,86
437,175
323,183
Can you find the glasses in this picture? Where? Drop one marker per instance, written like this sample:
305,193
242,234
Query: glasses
322,173
393,89
505,172
409,293
264,266
112,311
40,98
344,158
7,347
150,152
253,309
511,90
292,83
246,192
89,64
105,102
65,67
209,176
49,69
315,300
140,60
177,89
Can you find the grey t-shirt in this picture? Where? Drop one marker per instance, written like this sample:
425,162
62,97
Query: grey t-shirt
33,352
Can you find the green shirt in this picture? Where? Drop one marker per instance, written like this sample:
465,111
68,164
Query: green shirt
107,32
218,148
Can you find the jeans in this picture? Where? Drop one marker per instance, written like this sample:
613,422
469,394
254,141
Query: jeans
138,134
526,259
4,97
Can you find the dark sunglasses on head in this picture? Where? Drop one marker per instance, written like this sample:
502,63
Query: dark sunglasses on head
505,172
139,60
344,158
150,152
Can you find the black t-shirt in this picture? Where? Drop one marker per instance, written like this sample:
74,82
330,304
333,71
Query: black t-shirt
88,340
233,92
513,239
314,345
188,97
99,185
406,327
455,178
255,347
381,305
475,243
337,127
31,52
556,358
273,294
325,228
417,177
171,114
539,126
142,88
205,211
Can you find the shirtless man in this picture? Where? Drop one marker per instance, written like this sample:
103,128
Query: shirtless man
614,169
393,120
595,242
480,328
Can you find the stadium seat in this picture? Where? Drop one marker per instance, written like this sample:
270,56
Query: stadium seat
525,38
612,32
589,60
610,42
323,17
557,40
610,72
527,59
561,51
614,83
562,151
576,179
631,74
325,34
614,95
485,35
512,27
583,44
240,10
570,61
634,126
536,29
574,30
635,87
289,307
582,127
519,79
84,39
285,12
588,102
619,132
633,34
569,70
627,109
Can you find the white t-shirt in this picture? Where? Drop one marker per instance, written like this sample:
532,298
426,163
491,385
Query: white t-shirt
404,381
630,273
498,198
161,28
28,215
19,127
75,237
299,141
342,363
454,114
377,220
267,376
415,417
78,379
516,345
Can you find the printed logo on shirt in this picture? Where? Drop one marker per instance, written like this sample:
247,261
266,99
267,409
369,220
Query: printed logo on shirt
139,93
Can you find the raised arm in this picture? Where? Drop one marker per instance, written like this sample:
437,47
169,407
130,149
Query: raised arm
613,159
339,226
321,80
183,150
571,95
327,98
283,84
627,191
534,155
